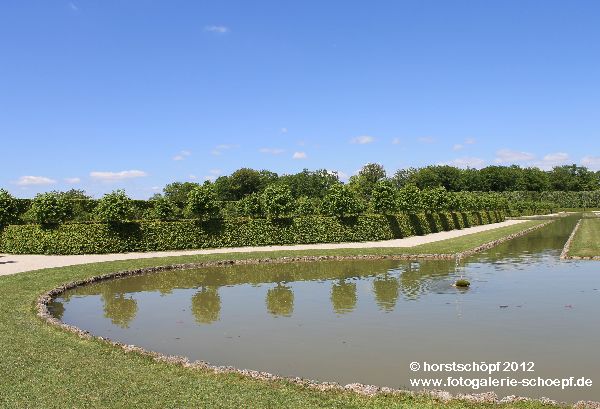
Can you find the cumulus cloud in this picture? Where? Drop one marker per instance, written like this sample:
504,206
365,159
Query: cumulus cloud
73,180
396,141
182,155
466,162
362,140
34,180
193,177
510,156
592,162
218,150
271,151
426,139
117,176
284,130
299,155
458,147
217,29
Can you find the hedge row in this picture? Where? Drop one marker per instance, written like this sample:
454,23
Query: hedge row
88,238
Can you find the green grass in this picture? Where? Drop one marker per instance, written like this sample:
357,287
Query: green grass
586,242
44,366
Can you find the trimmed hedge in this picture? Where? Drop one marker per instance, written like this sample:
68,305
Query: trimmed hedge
89,238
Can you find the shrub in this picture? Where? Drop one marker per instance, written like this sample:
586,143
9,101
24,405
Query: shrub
114,207
306,206
202,202
383,198
251,206
163,209
277,201
49,208
9,210
340,201
409,198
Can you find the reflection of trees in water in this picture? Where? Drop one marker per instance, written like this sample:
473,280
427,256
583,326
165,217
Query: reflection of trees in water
57,309
343,297
386,289
280,301
418,277
206,305
120,309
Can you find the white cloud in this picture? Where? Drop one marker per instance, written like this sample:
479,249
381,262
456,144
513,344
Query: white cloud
284,130
426,139
271,151
396,141
182,155
73,180
510,156
34,180
458,147
363,139
73,6
217,29
117,176
223,147
299,155
592,162
193,177
466,162
470,141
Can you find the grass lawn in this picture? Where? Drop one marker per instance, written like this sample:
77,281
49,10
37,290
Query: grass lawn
586,242
43,366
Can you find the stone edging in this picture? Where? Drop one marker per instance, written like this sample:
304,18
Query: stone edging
501,240
361,389
565,252
564,255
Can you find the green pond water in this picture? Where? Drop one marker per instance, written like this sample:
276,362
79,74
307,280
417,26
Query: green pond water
366,321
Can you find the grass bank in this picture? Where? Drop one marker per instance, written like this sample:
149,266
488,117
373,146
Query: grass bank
43,366
586,242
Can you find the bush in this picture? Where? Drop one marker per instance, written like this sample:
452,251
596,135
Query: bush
202,202
277,201
383,198
409,198
251,206
114,207
9,209
163,209
306,206
87,238
340,201
49,208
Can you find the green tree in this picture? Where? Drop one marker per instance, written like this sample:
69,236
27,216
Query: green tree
9,209
343,297
202,202
384,198
364,182
409,198
341,201
114,207
277,200
49,208
177,192
163,208
313,184
280,301
206,305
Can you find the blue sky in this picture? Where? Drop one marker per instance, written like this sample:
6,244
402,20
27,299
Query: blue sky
108,94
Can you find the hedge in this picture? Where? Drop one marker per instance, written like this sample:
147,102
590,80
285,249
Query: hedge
88,238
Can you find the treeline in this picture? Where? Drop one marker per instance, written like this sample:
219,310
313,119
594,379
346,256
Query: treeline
259,194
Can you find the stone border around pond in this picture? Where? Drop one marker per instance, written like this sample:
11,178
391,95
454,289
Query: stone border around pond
361,389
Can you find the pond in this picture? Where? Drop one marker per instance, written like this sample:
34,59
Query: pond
366,321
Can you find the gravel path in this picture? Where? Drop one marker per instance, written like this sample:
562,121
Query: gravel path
13,263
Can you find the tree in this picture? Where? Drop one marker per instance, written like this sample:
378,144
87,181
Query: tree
114,207
74,194
402,177
9,209
409,198
367,178
49,208
340,201
277,200
384,198
280,301
243,182
163,208
310,184
202,201
177,192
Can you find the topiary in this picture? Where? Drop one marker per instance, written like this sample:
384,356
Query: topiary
163,209
8,208
49,208
277,200
202,202
340,201
114,207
